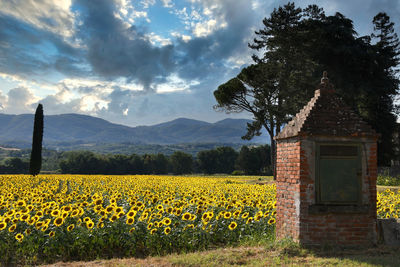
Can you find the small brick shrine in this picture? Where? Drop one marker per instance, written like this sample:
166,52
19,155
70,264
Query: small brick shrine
326,174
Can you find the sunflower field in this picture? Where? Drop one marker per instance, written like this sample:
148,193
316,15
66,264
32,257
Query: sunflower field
49,218
82,217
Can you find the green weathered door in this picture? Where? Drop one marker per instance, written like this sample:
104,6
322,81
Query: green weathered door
338,174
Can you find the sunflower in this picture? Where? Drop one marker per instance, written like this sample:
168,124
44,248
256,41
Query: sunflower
52,234
75,213
186,216
114,218
44,228
245,215
39,224
12,228
24,217
144,216
55,213
70,227
21,203
10,213
135,208
236,213
249,220
131,214
149,226
118,210
130,221
167,230
227,215
19,237
178,212
271,221
167,221
232,226
153,231
131,230
67,208
58,221
28,231
3,225
86,219
89,224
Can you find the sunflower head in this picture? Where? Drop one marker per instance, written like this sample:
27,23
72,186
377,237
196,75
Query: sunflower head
19,237
58,221
232,226
167,230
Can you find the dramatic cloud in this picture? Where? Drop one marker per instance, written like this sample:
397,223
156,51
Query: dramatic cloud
137,62
115,50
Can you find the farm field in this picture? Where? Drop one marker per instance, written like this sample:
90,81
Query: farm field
77,217
52,218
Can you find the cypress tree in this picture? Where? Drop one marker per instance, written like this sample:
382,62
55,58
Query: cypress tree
36,153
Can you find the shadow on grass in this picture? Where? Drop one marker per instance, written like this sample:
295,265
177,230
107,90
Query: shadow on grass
380,255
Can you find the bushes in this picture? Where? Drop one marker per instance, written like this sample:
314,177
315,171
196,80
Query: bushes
387,180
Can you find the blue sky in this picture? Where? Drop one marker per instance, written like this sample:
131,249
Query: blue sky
137,62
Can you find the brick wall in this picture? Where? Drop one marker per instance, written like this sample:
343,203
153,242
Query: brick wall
288,189
295,181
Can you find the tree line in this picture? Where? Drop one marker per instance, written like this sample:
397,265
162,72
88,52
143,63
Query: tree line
225,160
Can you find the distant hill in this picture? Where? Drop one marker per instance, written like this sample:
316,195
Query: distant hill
68,129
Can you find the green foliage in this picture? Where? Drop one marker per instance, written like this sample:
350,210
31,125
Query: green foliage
181,163
384,179
219,160
254,160
35,163
15,166
296,46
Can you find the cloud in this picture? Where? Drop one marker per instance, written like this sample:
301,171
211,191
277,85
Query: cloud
106,58
19,100
47,15
207,54
114,51
33,53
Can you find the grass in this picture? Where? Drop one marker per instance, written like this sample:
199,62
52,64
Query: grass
272,254
381,188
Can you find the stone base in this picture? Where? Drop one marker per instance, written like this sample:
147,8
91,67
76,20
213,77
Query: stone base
389,231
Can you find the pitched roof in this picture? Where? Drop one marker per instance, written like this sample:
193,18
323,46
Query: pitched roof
326,115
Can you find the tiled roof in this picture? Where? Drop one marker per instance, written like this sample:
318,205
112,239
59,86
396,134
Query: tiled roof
326,115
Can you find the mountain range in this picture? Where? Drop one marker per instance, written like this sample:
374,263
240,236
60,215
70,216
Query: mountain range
83,129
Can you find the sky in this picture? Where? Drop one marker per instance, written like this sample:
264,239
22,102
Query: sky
138,62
